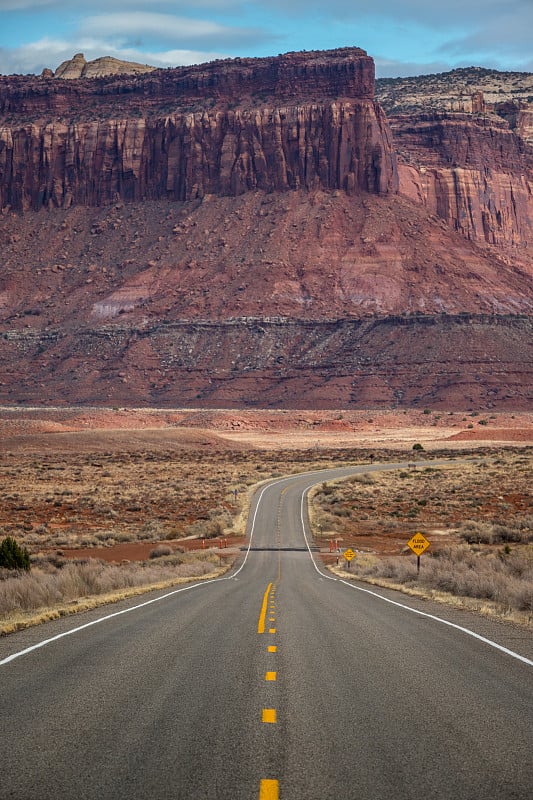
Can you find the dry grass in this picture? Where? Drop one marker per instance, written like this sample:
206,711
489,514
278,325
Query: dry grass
506,581
85,498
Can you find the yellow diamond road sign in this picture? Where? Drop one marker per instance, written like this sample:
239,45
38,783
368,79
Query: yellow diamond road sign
418,543
349,554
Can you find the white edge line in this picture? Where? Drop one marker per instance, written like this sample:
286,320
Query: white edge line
322,574
13,656
475,635
443,621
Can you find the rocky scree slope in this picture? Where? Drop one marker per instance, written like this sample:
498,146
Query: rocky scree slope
251,232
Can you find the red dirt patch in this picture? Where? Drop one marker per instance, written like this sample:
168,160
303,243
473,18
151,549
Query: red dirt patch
140,551
486,434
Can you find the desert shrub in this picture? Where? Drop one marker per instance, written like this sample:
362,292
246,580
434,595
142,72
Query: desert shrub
401,570
365,478
417,446
13,556
510,533
523,598
161,550
476,532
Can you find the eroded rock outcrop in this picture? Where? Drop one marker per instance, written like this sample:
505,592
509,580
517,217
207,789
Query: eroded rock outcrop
78,67
288,269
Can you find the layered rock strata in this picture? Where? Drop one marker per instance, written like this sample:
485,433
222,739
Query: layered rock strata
463,362
287,270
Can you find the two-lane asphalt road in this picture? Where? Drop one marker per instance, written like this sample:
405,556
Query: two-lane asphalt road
277,681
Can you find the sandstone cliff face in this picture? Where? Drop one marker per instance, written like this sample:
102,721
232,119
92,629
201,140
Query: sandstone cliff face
475,173
331,144
292,78
339,145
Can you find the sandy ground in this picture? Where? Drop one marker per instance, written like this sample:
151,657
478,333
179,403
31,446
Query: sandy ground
108,429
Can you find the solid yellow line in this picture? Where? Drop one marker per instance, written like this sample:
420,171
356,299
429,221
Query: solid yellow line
269,790
262,615
271,676
269,715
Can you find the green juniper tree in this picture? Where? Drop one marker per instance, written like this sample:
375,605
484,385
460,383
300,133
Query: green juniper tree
12,556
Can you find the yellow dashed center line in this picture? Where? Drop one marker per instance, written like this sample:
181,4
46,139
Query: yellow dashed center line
269,790
269,715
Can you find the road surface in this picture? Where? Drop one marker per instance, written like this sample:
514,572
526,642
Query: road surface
276,681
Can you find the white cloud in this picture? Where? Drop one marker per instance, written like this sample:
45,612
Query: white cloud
165,28
109,5
452,13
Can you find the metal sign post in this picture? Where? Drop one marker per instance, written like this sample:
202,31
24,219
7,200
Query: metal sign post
348,555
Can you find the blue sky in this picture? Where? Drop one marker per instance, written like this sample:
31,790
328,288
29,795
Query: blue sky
405,37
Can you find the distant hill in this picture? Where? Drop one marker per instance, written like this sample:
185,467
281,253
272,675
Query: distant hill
452,91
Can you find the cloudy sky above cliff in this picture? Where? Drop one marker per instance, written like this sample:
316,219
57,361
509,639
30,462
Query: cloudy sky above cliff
405,37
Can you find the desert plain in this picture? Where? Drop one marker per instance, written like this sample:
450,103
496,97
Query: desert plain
70,474
169,488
